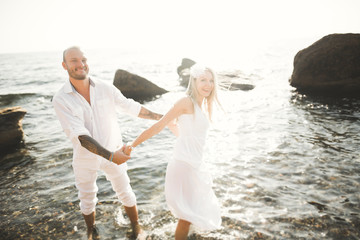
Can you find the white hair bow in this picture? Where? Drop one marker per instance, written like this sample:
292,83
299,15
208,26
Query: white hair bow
197,70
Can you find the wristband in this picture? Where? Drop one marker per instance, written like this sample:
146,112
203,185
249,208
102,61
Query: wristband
112,156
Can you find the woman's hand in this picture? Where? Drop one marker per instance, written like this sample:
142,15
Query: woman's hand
128,149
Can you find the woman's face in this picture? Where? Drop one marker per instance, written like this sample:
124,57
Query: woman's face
205,84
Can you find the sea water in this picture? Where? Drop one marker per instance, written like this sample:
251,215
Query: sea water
284,165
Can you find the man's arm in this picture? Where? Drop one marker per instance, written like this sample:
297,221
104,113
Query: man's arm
93,146
147,114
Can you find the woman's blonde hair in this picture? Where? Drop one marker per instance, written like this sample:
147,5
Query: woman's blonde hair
195,72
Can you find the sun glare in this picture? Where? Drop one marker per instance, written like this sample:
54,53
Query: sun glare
41,25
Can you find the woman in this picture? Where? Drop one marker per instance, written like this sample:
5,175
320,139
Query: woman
188,187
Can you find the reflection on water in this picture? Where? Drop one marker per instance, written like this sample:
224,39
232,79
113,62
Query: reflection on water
285,166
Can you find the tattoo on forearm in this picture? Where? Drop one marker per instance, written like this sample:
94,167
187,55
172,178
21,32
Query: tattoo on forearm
145,113
93,146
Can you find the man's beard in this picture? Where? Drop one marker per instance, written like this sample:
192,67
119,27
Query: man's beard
76,76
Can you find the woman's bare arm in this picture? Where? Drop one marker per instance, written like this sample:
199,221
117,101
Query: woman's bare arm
181,107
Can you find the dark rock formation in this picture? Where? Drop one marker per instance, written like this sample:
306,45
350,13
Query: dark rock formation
229,81
11,132
236,81
330,66
184,71
136,87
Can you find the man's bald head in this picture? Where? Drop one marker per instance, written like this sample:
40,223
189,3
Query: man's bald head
70,49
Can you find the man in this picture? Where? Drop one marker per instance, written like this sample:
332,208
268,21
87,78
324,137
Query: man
86,109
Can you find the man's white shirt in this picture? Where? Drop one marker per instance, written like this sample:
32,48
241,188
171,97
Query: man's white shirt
97,119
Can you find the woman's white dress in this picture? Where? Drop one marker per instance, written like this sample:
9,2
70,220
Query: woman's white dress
188,186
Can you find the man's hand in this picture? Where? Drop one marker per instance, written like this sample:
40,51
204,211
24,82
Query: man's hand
120,157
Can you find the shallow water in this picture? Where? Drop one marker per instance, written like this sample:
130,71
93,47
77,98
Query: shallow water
285,166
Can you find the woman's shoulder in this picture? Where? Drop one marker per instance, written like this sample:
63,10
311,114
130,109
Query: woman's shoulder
185,104
184,100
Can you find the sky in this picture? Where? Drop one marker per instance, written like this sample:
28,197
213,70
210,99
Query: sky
53,25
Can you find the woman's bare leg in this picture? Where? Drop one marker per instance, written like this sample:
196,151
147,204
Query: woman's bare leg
182,230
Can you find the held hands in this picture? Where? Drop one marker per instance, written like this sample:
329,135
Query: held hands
122,155
128,149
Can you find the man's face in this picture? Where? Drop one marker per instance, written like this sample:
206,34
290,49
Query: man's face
75,64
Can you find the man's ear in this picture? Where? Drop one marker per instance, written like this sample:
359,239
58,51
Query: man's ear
64,65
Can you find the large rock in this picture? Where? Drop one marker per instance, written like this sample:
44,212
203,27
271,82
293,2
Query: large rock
11,132
184,71
330,66
136,87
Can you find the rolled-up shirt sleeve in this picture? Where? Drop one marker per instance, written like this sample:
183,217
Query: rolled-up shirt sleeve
124,104
70,120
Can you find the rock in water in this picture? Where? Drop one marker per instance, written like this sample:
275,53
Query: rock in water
184,71
136,87
11,132
330,66
230,82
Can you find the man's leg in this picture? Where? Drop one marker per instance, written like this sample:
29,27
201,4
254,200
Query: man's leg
85,181
120,182
90,224
132,213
